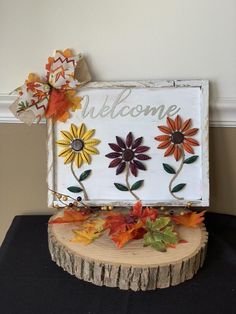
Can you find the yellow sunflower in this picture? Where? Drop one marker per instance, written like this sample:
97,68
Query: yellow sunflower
78,145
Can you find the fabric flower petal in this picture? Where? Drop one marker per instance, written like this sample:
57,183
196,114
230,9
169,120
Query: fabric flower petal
67,135
141,149
88,134
63,143
170,123
139,165
86,157
169,150
177,153
186,125
188,148
133,169
129,139
120,168
92,142
81,130
113,155
120,142
64,152
162,138
137,142
164,129
69,158
115,162
191,141
115,147
91,150
142,157
191,132
78,160
73,129
164,144
178,123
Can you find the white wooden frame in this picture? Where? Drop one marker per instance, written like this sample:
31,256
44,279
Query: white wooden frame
203,85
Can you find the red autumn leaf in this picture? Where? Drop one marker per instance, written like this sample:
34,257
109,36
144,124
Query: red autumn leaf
70,216
183,241
191,220
115,222
145,213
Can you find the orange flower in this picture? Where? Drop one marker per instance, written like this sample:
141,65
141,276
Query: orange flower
177,137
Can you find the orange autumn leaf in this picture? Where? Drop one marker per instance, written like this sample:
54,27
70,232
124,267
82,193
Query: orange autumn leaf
135,232
58,104
70,216
32,78
74,100
191,220
67,53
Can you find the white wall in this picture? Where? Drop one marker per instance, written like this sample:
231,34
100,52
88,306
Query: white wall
125,39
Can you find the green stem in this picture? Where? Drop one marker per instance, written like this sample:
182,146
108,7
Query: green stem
127,183
80,183
175,176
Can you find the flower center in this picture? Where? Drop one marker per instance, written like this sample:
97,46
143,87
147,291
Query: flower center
177,137
128,155
77,145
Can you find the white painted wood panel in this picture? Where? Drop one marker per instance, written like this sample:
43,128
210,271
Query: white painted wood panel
190,100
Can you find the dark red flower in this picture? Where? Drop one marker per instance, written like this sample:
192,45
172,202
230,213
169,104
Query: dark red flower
128,152
177,137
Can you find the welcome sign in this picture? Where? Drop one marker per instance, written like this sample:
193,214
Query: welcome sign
133,140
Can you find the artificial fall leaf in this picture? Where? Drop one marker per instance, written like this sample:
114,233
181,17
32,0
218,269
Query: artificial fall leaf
160,234
58,104
32,77
67,53
116,222
191,220
70,216
135,232
143,213
74,100
89,231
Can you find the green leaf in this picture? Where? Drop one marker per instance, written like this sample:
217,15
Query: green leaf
190,160
160,223
137,185
159,246
84,175
178,187
160,234
74,189
169,169
121,187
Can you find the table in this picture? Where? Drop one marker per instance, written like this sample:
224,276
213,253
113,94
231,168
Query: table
31,283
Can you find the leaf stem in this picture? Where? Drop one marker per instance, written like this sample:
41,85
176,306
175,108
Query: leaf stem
80,183
127,183
175,176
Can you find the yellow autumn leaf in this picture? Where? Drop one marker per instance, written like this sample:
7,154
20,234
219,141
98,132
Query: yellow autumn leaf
89,231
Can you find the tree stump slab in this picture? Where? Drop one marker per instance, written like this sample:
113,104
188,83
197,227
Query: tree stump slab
134,266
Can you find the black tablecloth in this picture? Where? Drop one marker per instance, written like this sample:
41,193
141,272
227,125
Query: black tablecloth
31,283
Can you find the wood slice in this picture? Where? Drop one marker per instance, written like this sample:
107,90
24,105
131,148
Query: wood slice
133,267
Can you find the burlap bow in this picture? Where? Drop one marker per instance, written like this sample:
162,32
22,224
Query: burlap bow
53,95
